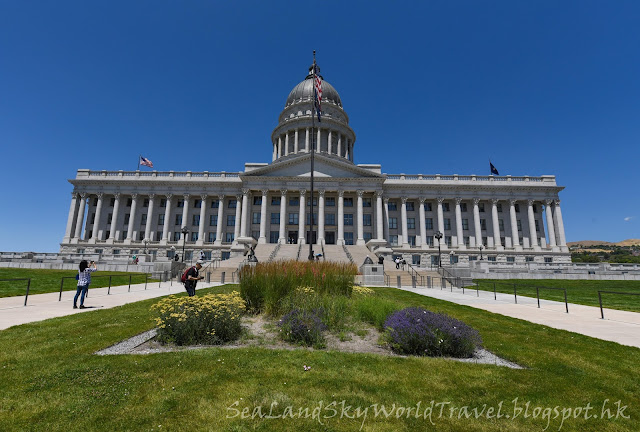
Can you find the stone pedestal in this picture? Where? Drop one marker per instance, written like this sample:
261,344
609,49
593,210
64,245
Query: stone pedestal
372,274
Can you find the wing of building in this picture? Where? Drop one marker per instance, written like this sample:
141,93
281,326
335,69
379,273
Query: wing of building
500,218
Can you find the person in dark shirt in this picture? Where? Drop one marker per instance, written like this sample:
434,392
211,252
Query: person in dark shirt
193,276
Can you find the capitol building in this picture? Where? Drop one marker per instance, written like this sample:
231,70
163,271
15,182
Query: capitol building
357,208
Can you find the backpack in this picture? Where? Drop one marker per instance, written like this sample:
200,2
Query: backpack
183,279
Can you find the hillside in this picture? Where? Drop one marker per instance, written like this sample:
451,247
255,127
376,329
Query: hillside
587,243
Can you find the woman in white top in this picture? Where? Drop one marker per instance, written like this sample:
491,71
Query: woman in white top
84,279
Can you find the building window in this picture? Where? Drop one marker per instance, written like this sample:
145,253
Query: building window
231,220
517,206
93,217
330,201
411,223
430,241
412,240
528,259
126,219
163,202
393,240
447,240
366,220
548,259
519,223
499,207
429,223
483,224
294,201
176,236
445,207
141,235
348,219
348,202
275,200
211,237
273,236
293,218
410,206
473,257
484,241
195,220
255,218
393,206
145,202
194,236
116,251
502,241
511,259
481,207
491,258
465,224
366,236
228,237
215,204
143,219
255,234
109,218
535,208
275,218
197,203
393,223
427,206
213,220
467,241
366,202
463,207
447,224
501,224
257,200
537,226
129,201
348,238
330,219
160,219
180,204
232,204
315,218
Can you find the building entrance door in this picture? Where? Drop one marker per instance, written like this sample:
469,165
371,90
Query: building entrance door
330,237
312,239
293,237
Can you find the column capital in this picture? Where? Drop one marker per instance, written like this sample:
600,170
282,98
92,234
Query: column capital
379,194
168,196
152,196
116,195
360,192
321,192
283,192
440,200
134,196
221,197
548,202
404,199
245,191
556,201
204,196
494,201
386,200
238,197
458,200
421,200
83,195
100,195
530,202
74,194
303,192
476,201
185,196
264,192
512,201
341,193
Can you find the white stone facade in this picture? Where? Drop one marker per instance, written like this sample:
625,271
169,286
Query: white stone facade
502,218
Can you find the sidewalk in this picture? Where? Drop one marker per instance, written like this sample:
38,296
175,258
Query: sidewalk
44,306
618,326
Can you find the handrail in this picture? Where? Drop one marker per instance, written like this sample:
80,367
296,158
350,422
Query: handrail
273,253
610,292
324,257
21,279
448,277
346,251
417,275
387,278
299,250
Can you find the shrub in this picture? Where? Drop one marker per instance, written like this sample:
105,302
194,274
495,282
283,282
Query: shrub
420,332
265,285
303,327
210,319
373,310
359,291
334,311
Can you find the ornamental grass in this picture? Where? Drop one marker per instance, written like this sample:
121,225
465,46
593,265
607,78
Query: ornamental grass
212,319
264,286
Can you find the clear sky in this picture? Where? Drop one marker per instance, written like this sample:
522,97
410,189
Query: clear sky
540,87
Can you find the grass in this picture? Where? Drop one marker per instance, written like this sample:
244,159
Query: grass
583,292
52,381
46,281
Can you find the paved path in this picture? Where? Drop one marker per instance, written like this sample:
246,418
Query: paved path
618,326
44,306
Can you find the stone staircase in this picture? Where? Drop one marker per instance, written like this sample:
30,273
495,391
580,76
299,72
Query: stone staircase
287,252
335,253
360,253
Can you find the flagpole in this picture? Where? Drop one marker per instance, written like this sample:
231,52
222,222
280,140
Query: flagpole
313,124
139,156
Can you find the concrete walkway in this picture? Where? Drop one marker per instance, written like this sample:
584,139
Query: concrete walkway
44,306
617,326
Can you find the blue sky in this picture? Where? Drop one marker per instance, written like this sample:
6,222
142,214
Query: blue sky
540,87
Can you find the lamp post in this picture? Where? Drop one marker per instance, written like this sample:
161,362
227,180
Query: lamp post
438,236
184,232
480,247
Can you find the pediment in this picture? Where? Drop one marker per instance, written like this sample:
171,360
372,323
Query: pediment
324,167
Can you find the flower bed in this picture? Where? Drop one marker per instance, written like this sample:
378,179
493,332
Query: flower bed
302,327
417,331
210,319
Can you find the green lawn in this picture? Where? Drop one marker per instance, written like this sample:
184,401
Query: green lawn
51,380
45,281
583,292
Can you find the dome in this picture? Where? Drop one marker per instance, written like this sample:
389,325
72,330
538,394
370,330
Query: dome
304,92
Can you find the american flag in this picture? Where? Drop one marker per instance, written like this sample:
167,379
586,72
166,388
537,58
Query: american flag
318,91
146,162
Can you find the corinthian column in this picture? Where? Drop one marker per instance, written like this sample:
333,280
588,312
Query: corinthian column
80,219
403,217
96,233
203,215
423,224
263,217
386,218
132,217
459,232
533,234
340,218
237,223
113,229
360,240
476,222
245,210
167,219
185,211
496,224
73,214
321,216
443,244
283,214
301,214
379,222
220,220
515,238
550,227
557,213
147,230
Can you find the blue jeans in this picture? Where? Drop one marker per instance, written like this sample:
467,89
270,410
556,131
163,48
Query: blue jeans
81,289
